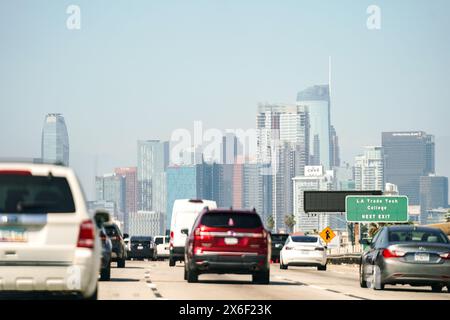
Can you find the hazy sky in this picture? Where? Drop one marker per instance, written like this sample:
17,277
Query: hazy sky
140,69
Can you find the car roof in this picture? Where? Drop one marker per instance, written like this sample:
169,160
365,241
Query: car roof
37,168
230,210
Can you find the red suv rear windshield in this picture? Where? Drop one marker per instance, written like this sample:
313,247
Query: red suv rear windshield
231,220
35,194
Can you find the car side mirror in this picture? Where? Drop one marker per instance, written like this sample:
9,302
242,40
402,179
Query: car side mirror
126,235
185,231
101,217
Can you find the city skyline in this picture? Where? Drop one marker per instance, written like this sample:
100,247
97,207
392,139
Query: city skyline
110,101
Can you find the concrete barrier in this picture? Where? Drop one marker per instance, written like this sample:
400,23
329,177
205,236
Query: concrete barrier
351,258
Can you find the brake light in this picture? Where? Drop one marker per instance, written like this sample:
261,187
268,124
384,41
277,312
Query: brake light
393,253
445,255
171,239
288,248
86,236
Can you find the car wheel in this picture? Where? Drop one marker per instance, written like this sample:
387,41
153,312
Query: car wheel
121,263
376,283
362,277
436,287
171,262
262,277
105,274
322,268
192,276
283,266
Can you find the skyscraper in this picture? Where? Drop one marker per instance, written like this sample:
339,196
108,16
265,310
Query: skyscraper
334,148
55,140
152,161
283,142
369,169
317,101
129,175
408,156
315,178
181,184
111,187
433,195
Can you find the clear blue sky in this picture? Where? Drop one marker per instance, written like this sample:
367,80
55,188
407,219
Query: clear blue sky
140,69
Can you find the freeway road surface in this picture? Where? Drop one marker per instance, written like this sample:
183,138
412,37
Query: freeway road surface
156,280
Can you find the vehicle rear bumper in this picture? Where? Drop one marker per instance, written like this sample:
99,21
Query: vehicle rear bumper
313,260
394,271
63,279
220,263
80,277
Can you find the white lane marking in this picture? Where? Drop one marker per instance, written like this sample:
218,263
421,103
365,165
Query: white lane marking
151,285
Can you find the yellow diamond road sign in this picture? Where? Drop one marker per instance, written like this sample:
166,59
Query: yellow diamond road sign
327,234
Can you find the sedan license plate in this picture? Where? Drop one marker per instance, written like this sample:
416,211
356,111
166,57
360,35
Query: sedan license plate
140,247
422,257
13,235
231,241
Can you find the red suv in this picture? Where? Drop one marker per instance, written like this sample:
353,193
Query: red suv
228,241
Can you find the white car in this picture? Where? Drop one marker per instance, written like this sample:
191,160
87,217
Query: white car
184,213
304,251
48,241
162,247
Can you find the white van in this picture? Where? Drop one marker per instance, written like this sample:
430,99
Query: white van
184,213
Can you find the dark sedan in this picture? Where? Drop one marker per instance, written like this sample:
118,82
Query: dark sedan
278,241
418,256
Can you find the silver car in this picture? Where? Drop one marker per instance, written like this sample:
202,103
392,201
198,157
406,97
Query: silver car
418,256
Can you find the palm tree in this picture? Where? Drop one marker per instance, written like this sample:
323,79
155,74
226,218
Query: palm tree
270,222
289,221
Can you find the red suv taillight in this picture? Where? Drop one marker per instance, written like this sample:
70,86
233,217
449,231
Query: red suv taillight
387,253
86,236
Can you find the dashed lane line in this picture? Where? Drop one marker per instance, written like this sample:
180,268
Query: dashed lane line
324,289
152,286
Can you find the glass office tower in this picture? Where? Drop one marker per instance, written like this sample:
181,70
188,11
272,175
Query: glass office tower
55,140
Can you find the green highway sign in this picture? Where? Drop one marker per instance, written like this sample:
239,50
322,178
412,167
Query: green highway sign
376,208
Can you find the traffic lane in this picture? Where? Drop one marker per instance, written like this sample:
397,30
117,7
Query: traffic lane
129,283
170,284
345,279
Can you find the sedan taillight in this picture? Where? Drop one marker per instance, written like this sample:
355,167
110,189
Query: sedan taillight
87,235
393,253
445,255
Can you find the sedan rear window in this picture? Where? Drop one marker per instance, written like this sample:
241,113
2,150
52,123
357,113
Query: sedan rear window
304,239
231,220
279,238
35,194
430,236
